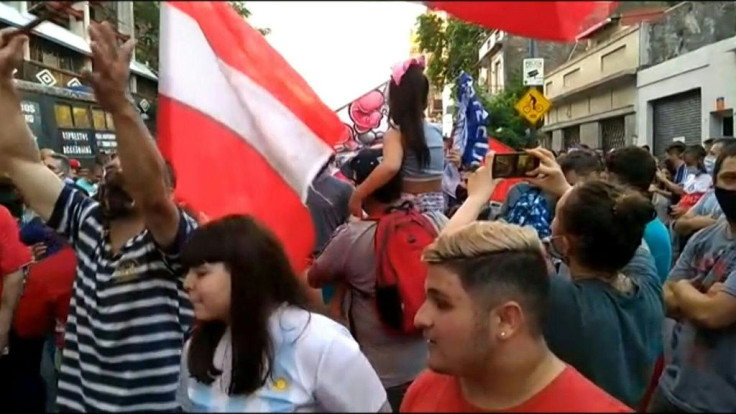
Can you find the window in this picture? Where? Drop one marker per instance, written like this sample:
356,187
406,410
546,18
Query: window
570,77
497,84
55,56
81,117
728,126
146,87
110,124
98,119
104,11
63,114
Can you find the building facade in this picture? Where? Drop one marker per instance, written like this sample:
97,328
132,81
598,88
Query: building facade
594,95
688,91
59,108
501,56
651,74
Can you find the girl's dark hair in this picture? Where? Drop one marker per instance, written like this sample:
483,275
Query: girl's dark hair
407,102
261,279
606,223
697,152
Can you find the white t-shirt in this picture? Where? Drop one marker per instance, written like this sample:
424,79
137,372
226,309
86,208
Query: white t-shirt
697,183
317,366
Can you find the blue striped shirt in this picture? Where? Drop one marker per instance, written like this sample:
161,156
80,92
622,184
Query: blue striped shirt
129,315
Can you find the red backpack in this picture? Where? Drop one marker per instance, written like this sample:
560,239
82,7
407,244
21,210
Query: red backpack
401,236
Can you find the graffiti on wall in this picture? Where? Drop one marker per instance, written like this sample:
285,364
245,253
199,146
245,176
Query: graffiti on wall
365,120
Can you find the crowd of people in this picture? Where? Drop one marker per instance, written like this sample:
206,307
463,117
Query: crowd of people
604,283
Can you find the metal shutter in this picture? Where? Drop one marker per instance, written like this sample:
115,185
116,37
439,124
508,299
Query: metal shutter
570,137
677,116
613,133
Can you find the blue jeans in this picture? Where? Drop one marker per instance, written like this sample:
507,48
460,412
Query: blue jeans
48,372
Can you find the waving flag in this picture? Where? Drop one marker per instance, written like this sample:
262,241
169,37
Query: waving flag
561,21
471,139
469,135
244,131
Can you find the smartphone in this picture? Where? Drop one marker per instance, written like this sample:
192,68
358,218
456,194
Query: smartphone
513,165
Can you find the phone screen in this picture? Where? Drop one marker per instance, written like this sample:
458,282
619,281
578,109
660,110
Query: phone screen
513,165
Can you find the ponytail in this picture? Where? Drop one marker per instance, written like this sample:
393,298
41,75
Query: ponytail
407,102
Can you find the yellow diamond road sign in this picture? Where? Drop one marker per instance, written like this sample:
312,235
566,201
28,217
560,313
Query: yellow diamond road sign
533,105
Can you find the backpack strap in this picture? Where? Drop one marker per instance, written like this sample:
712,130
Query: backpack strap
405,206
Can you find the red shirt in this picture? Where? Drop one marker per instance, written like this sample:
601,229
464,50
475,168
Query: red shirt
48,287
569,392
13,254
46,296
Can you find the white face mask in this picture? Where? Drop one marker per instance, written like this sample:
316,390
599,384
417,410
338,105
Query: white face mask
710,163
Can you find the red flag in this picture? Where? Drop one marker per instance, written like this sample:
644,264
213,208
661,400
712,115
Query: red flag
244,131
561,21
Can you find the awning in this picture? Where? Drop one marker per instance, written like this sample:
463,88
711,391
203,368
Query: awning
62,36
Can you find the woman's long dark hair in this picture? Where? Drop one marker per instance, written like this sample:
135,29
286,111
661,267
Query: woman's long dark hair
607,222
261,279
406,104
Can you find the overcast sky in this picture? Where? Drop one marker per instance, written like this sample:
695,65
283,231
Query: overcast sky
342,49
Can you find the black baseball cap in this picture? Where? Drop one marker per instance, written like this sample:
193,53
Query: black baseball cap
363,164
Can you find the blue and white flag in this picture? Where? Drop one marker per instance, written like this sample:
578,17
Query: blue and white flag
469,135
470,138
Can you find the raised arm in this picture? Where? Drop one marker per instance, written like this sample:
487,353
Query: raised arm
669,185
393,156
142,164
480,188
19,157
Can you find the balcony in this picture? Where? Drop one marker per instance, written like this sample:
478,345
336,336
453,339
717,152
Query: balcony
615,60
37,72
60,12
491,44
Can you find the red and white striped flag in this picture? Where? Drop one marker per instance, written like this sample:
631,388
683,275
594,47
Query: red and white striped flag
245,132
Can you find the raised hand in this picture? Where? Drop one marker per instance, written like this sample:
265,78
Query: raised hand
110,66
11,52
481,183
548,176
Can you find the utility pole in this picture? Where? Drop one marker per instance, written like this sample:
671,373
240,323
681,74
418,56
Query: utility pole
532,55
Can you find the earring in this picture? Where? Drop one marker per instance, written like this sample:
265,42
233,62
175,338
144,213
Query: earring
503,334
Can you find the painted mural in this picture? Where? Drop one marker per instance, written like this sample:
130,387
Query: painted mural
365,120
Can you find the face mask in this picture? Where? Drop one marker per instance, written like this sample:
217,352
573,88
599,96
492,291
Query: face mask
555,251
727,201
692,170
710,163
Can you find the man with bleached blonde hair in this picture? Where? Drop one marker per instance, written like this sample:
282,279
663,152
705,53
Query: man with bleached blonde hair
487,287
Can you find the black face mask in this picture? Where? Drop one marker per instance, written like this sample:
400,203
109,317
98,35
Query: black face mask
727,201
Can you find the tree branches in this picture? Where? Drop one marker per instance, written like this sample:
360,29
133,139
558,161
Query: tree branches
452,44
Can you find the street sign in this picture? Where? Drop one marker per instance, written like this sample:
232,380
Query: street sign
534,72
533,105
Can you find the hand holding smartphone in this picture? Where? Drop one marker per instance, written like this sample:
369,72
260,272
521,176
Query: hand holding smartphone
514,165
